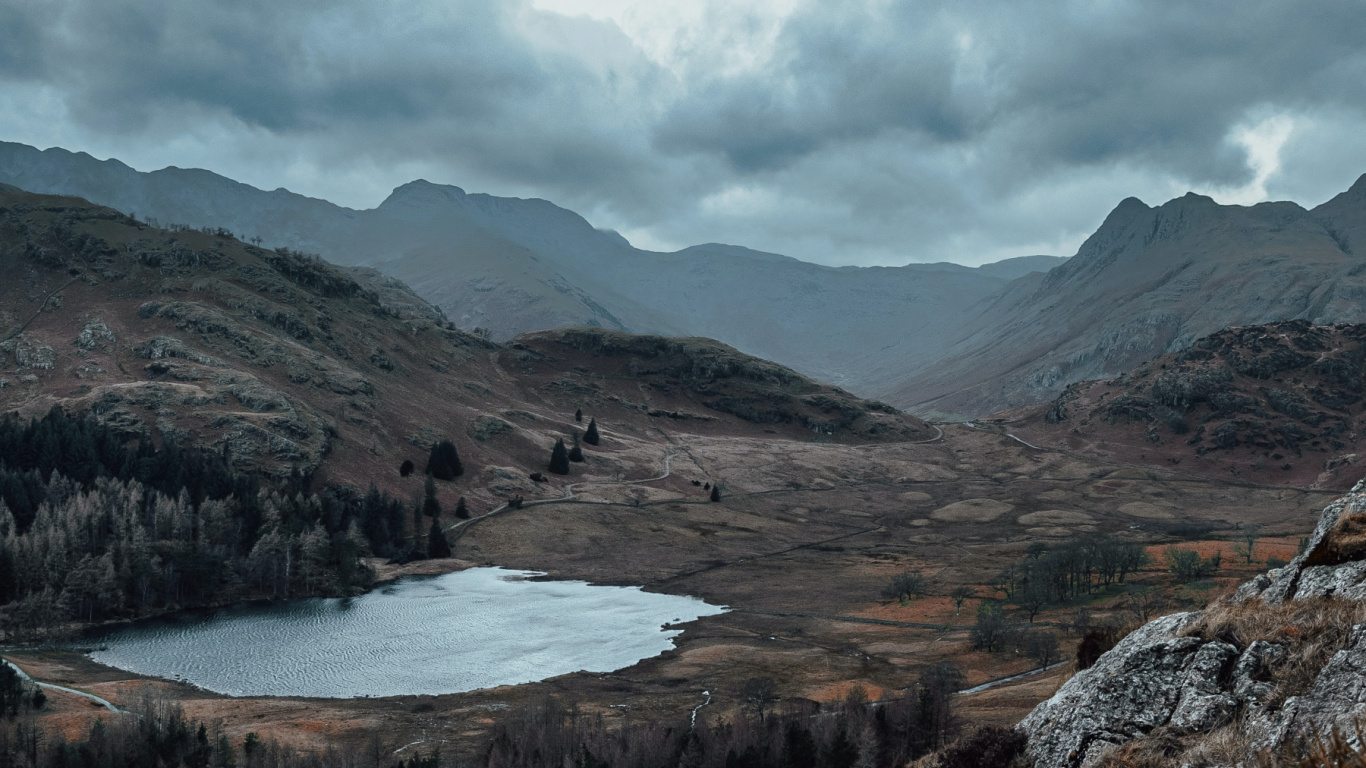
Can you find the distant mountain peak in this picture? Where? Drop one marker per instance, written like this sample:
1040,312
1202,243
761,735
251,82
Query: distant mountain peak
421,189
1358,189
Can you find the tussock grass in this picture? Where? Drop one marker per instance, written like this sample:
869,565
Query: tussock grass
1345,542
1311,631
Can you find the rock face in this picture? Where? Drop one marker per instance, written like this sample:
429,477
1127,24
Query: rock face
1167,676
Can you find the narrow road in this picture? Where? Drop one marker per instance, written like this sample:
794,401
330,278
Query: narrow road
1003,680
50,686
465,525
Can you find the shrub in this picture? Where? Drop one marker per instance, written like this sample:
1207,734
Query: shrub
1094,644
406,468
987,747
1187,564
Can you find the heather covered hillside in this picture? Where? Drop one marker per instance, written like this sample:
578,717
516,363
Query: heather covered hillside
1279,404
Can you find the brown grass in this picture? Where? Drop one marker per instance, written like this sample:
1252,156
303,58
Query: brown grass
1311,631
1159,749
1346,541
1336,750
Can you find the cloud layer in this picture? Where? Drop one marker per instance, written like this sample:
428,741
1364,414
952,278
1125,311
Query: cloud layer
860,132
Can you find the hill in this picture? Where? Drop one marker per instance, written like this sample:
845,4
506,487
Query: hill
289,364
1150,281
1276,404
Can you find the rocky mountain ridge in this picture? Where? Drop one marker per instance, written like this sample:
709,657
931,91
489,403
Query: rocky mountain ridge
1150,281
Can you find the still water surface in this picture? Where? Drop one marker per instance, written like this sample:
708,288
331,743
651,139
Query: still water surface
459,632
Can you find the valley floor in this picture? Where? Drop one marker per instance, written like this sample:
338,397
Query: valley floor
800,547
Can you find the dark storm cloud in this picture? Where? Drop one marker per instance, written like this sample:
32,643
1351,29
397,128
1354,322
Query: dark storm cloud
1057,83
878,131
284,66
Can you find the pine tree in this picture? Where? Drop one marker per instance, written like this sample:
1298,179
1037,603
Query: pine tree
576,453
591,436
430,506
406,468
437,546
716,493
461,511
444,461
559,458
578,415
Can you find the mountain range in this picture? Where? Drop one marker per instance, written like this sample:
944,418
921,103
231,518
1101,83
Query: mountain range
512,266
941,340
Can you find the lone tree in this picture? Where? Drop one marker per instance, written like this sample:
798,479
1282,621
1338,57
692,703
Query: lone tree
960,595
406,468
591,435
758,692
991,628
716,493
559,458
1246,547
461,511
430,506
576,453
1042,646
437,546
904,586
578,415
444,462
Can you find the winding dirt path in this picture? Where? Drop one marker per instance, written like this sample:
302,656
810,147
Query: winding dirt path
53,687
465,525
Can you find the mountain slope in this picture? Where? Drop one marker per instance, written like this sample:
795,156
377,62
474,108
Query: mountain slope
513,266
1149,281
1278,404
287,364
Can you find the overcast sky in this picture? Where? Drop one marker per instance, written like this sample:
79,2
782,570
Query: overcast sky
859,132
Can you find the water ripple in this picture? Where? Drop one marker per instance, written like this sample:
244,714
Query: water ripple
479,628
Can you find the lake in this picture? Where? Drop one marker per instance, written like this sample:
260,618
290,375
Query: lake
463,631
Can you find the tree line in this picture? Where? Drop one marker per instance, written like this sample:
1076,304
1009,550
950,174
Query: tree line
1064,573
92,529
156,734
800,734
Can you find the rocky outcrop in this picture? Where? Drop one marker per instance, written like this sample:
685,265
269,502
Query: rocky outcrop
1187,674
29,353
